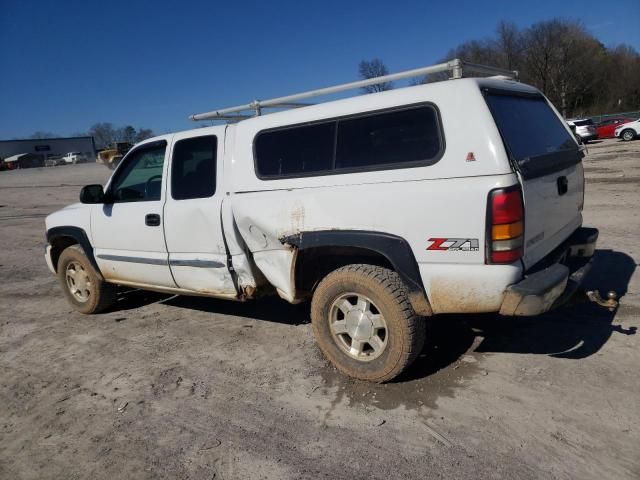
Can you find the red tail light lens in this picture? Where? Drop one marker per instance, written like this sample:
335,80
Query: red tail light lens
506,206
505,229
508,256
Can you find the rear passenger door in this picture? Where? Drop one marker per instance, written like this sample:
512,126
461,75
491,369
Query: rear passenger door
193,226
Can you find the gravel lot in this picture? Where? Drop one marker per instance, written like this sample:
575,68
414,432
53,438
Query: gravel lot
177,387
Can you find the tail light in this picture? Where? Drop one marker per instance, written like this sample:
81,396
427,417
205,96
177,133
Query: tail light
505,225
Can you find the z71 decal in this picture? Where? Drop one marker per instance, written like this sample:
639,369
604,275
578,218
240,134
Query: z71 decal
454,244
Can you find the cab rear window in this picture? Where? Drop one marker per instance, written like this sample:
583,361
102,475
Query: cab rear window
534,136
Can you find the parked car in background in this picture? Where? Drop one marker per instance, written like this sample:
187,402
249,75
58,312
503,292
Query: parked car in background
585,128
607,127
54,161
628,131
75,157
575,135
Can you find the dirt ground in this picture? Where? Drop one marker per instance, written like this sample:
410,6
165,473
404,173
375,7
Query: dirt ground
177,387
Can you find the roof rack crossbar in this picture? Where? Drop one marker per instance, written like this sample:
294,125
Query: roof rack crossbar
455,66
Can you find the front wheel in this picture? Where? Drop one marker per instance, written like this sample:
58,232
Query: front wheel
82,285
628,135
364,323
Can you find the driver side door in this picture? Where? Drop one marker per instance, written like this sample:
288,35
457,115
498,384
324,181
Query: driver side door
127,230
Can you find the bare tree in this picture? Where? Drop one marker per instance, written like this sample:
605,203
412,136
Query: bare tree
371,69
127,134
41,134
509,45
103,133
622,78
477,51
564,61
143,134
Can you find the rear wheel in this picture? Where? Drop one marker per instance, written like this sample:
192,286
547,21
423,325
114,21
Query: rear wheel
82,285
628,135
364,323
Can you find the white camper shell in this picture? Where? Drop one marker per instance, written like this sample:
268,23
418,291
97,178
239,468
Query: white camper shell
460,196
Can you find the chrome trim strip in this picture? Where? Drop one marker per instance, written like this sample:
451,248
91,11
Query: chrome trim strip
156,261
196,263
122,258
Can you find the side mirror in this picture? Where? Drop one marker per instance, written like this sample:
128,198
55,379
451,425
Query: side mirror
92,194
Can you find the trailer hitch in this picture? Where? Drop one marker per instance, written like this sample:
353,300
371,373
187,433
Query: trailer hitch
611,302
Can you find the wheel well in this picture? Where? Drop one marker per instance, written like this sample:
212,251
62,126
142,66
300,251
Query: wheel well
58,245
313,264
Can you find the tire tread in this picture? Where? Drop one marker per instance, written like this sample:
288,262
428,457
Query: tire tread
392,285
105,292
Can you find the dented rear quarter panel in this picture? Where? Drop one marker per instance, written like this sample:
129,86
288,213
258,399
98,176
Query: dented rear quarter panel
444,200
457,281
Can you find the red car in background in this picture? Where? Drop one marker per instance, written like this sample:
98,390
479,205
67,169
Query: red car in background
607,126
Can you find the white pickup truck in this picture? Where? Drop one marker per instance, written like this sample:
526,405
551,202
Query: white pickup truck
74,157
461,196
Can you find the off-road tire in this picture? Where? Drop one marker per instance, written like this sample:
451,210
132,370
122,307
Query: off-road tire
101,294
628,135
406,330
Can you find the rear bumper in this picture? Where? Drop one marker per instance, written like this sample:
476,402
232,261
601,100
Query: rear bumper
547,287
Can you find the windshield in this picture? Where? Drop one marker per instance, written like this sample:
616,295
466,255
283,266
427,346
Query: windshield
536,139
582,123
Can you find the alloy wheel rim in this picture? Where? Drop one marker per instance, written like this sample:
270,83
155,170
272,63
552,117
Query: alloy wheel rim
78,281
358,327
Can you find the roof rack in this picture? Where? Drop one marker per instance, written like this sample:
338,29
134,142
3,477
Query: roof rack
456,66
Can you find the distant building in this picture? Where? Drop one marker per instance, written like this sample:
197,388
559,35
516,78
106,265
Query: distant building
49,147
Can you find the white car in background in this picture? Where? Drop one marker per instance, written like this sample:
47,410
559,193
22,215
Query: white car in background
584,128
628,131
75,157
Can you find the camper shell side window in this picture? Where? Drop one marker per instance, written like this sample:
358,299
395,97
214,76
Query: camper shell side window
401,137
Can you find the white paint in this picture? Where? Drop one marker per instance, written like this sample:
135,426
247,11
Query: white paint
119,229
193,230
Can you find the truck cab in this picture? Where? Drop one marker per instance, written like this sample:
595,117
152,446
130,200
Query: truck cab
158,222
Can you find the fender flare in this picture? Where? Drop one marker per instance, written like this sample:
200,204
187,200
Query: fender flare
80,236
394,248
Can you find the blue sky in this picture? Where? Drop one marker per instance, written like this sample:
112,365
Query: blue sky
65,65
